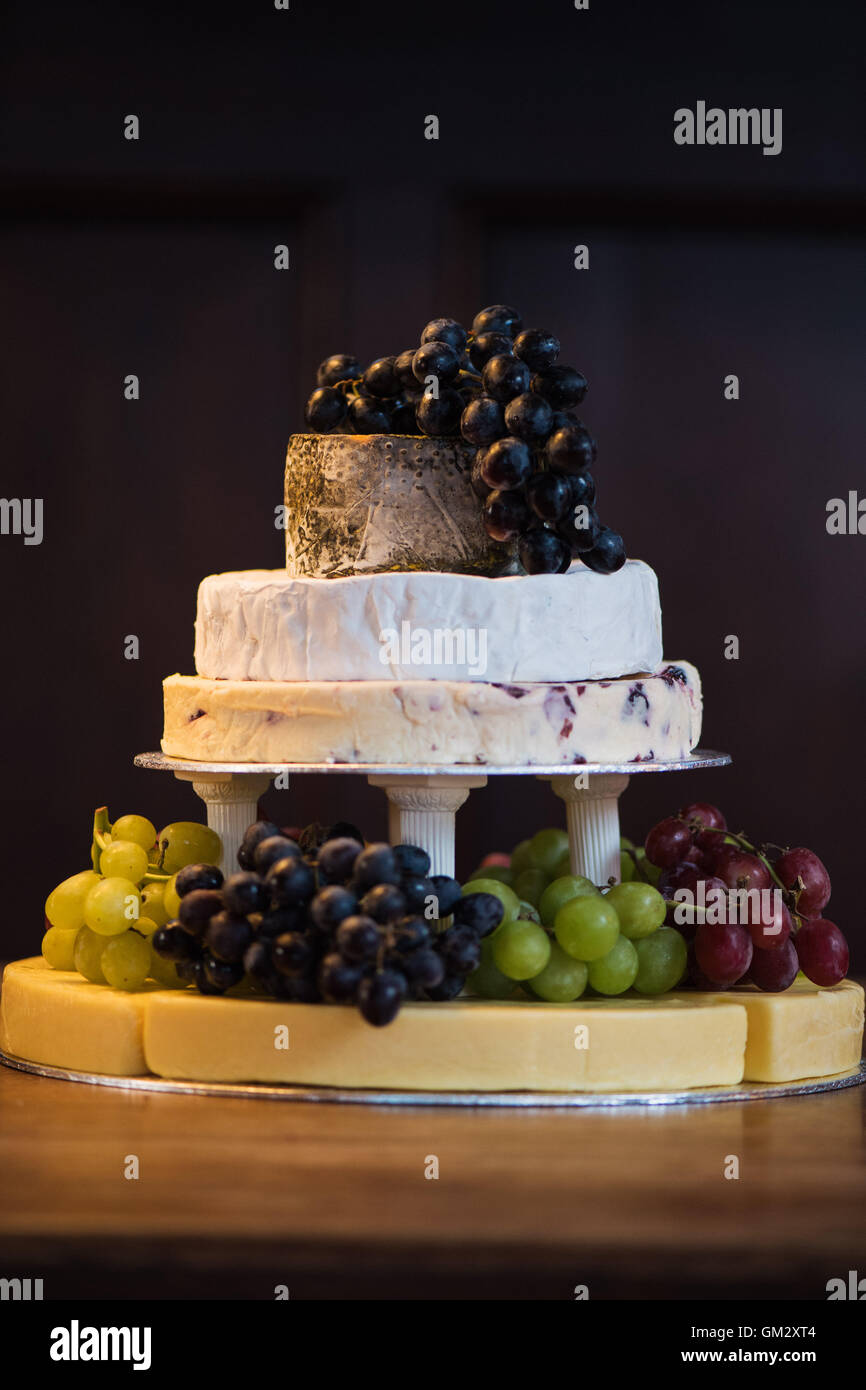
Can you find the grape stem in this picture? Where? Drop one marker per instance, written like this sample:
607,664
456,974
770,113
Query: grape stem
760,854
101,835
639,873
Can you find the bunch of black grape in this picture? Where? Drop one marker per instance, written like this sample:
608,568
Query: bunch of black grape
343,923
503,388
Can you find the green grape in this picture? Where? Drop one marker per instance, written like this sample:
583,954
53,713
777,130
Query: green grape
88,955
645,868
615,972
124,859
126,960
58,948
586,927
64,906
520,857
662,961
625,843
562,979
530,885
111,906
627,868
546,848
138,829
186,842
560,892
170,899
508,898
488,980
500,872
145,926
641,909
562,867
153,904
164,973
528,912
521,949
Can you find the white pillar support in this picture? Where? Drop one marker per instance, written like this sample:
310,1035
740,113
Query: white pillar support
422,811
592,813
232,804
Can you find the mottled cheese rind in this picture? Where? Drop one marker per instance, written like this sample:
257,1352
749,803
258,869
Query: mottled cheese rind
361,504
268,625
637,719
464,1045
60,1019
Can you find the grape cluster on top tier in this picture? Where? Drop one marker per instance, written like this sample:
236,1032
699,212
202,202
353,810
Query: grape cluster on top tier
335,921
503,389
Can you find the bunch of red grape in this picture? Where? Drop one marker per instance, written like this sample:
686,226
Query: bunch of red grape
695,851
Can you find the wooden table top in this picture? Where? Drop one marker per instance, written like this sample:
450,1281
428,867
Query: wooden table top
235,1197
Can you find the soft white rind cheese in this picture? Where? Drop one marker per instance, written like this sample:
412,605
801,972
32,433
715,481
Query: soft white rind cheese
639,719
265,625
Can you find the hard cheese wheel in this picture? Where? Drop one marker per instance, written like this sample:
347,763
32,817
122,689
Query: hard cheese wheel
681,1041
62,1020
465,1045
806,1031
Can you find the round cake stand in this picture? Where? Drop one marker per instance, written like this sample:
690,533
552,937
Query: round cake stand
423,800
517,1100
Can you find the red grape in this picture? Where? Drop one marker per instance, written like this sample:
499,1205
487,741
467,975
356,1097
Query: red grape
668,843
802,864
723,953
715,900
776,970
696,856
774,927
822,951
705,814
721,853
683,875
705,819
696,974
715,896
742,870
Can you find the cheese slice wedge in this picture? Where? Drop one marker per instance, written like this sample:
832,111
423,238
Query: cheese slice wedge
806,1031
62,1020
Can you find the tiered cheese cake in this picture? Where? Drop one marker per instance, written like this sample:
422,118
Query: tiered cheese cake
387,638
450,599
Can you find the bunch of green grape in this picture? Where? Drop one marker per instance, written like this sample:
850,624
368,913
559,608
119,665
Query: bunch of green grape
102,919
561,933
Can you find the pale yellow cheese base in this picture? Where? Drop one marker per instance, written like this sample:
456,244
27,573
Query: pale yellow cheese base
58,1018
465,1045
682,1041
806,1031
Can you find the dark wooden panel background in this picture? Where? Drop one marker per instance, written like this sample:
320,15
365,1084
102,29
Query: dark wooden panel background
306,127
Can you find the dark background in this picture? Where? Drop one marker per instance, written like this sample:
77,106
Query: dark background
306,127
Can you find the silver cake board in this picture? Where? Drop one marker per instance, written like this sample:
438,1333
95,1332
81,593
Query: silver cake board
423,798
466,1100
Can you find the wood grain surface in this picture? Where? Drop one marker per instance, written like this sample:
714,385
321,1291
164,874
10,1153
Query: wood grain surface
236,1196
